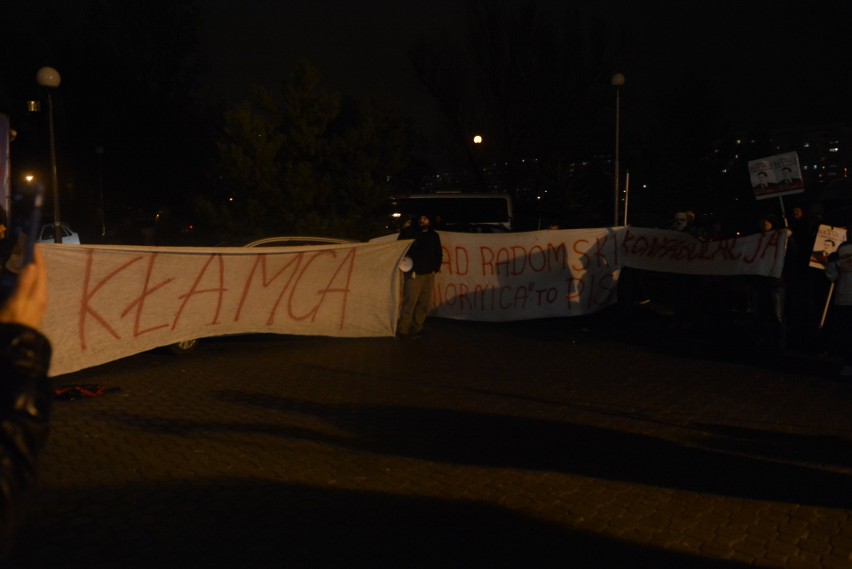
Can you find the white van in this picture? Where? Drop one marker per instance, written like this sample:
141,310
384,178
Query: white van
455,211
69,236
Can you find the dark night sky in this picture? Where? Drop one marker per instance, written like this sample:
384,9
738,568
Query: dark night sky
358,47
769,62
772,62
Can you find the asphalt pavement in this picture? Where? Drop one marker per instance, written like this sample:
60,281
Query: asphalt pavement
607,441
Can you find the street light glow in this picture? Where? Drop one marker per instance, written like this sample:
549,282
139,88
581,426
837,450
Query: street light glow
48,77
477,139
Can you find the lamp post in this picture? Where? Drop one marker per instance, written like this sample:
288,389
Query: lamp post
617,82
49,77
477,155
99,151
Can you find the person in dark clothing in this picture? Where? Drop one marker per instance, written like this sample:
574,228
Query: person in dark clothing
770,295
25,395
3,222
839,271
5,239
427,256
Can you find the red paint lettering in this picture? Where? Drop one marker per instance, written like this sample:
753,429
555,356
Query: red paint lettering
139,302
86,309
220,290
261,262
487,258
345,270
585,261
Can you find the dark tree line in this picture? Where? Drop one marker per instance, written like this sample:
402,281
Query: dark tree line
302,159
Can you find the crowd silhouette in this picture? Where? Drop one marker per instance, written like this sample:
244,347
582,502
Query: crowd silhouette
793,312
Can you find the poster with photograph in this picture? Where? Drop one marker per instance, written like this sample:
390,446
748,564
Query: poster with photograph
776,176
827,240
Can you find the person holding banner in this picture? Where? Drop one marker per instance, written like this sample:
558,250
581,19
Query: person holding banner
685,286
770,296
25,394
427,255
839,273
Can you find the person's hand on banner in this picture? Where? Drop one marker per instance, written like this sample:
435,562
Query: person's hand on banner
28,303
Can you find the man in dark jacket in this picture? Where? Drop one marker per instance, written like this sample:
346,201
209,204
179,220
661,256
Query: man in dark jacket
427,256
25,395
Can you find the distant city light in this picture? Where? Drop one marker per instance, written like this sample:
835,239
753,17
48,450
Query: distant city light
477,139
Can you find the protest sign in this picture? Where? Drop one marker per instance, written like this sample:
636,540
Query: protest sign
827,240
776,176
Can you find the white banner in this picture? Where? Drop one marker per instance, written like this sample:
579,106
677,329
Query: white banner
673,252
108,302
544,274
519,276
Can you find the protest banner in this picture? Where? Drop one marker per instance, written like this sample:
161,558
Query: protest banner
108,302
519,276
542,274
673,252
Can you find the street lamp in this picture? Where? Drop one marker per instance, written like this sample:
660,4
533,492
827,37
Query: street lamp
49,77
617,82
477,156
99,151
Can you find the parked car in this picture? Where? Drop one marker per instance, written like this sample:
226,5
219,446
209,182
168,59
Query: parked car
69,236
185,347
296,240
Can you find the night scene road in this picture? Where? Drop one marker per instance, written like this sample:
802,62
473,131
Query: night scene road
590,442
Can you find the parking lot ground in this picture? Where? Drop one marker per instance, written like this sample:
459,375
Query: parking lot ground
588,442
